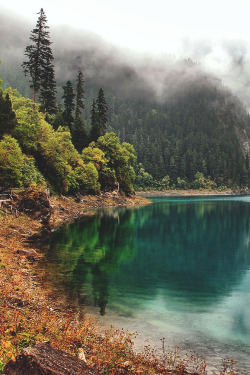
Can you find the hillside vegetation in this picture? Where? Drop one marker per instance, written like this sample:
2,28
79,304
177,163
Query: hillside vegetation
179,126
32,152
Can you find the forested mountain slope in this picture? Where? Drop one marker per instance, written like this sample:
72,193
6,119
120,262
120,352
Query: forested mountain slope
187,129
204,129
200,129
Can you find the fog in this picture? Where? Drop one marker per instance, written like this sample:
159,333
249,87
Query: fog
223,62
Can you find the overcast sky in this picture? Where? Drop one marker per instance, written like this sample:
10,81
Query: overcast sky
215,33
155,26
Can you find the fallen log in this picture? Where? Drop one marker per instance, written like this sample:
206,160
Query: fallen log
43,359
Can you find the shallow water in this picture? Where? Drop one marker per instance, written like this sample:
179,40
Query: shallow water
178,268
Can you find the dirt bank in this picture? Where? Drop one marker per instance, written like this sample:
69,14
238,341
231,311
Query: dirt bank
190,192
65,209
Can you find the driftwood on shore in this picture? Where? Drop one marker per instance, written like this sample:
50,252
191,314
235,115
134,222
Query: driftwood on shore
42,359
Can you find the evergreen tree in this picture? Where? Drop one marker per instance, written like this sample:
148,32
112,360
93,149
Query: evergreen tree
102,112
58,119
79,94
79,134
7,116
48,88
95,130
39,56
99,117
69,105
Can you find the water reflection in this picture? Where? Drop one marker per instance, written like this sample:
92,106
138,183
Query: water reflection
91,250
196,251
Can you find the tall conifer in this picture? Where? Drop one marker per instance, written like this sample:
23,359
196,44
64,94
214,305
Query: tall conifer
39,65
102,111
48,89
79,94
95,129
69,105
99,116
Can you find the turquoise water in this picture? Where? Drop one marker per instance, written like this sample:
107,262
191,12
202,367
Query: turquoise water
178,268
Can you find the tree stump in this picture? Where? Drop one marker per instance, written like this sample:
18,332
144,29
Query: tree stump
42,359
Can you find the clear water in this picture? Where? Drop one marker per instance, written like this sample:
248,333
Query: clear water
178,268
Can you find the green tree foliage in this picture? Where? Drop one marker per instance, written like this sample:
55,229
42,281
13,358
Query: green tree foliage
28,121
143,179
16,168
57,119
79,94
80,137
30,173
194,132
102,111
7,116
39,65
99,116
11,162
118,171
95,130
56,157
68,97
79,132
201,182
94,155
48,87
61,164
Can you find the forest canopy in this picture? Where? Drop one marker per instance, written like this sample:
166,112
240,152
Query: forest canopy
32,152
79,139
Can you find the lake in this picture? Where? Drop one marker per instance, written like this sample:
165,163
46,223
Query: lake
178,268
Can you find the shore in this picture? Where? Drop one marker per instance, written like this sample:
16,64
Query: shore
30,310
189,192
67,209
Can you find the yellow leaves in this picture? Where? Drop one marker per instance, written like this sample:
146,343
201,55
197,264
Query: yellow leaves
6,344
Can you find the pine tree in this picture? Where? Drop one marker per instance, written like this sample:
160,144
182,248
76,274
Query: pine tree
95,129
79,134
79,94
48,88
39,56
102,111
99,117
69,105
7,116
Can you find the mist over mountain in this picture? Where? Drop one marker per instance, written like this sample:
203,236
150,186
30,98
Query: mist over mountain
180,115
103,64
126,72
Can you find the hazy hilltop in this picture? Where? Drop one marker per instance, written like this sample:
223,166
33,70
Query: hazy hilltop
180,119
